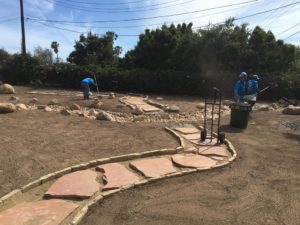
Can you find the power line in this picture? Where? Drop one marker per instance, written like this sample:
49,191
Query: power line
144,18
280,14
6,17
266,11
124,9
290,28
79,32
166,22
94,10
9,19
109,3
292,35
271,14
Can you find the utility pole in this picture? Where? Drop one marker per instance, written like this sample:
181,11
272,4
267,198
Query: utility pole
23,28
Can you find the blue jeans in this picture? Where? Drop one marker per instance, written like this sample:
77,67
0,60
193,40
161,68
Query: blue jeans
85,90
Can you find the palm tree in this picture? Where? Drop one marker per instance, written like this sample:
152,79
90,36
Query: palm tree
54,46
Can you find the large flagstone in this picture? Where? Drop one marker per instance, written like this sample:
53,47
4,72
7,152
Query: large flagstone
47,212
117,175
218,150
153,167
187,130
193,161
80,184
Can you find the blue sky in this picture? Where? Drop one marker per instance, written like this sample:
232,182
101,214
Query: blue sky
282,22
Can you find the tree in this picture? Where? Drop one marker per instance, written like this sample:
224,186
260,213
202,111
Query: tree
95,50
4,56
54,46
163,48
44,55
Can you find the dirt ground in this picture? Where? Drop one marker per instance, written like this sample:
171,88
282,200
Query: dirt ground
35,143
261,187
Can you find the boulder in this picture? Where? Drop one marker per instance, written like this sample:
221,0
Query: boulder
96,104
137,111
74,107
165,116
102,115
275,106
92,112
120,106
173,108
139,118
53,102
7,89
227,102
21,106
201,106
14,98
65,112
48,109
33,101
7,108
291,110
263,108
112,95
40,106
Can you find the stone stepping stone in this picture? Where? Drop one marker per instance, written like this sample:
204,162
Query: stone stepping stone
193,161
80,184
187,130
213,151
149,108
192,136
48,212
153,167
135,101
117,175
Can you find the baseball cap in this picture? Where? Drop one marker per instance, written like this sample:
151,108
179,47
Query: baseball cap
256,77
243,74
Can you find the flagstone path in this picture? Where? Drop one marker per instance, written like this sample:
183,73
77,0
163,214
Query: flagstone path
138,102
63,202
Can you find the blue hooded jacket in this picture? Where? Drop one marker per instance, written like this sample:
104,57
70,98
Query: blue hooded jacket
88,81
252,87
239,90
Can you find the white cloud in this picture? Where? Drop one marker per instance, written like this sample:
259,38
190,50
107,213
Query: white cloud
35,6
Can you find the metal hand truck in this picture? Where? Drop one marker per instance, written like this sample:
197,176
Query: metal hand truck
216,103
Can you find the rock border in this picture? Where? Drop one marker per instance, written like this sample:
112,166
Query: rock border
76,219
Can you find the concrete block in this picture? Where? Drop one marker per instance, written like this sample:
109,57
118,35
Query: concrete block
77,219
63,172
31,185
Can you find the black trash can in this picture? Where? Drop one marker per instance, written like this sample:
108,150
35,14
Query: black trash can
239,115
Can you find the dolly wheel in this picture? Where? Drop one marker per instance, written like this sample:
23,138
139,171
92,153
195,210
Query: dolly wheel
221,137
203,135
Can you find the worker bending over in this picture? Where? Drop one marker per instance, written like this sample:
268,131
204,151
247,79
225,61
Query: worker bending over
85,84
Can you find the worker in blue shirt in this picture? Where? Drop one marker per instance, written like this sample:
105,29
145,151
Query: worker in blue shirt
240,88
252,90
85,84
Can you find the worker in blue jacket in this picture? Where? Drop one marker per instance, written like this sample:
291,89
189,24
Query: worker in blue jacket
252,90
85,84
240,88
